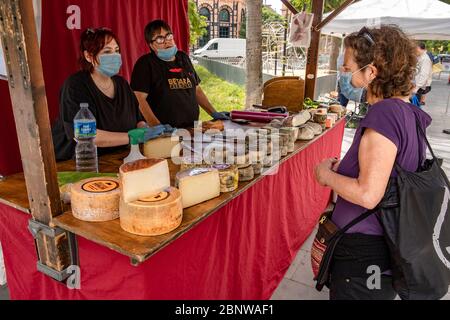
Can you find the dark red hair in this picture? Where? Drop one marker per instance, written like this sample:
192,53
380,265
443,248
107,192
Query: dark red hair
93,41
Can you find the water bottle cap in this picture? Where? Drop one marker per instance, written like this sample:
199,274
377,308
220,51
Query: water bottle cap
84,105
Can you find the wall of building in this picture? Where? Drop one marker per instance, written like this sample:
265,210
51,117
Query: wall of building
225,18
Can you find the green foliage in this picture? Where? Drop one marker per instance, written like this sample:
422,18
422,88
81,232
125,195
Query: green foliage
329,5
438,46
197,23
224,96
270,15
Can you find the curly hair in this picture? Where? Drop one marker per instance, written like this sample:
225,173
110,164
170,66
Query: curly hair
392,52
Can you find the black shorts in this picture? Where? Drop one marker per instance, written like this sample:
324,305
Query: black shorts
354,288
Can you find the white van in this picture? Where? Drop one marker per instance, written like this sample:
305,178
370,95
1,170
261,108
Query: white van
223,48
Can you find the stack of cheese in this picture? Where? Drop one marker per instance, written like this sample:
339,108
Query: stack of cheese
149,206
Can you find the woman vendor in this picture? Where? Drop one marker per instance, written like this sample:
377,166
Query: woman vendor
166,83
110,98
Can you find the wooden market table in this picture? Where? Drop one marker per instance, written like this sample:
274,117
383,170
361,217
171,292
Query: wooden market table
236,246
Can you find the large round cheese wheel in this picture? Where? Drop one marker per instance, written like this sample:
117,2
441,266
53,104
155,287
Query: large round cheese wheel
152,216
96,199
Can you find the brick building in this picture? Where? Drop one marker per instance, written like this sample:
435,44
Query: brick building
225,18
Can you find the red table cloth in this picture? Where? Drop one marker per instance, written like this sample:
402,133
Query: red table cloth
242,251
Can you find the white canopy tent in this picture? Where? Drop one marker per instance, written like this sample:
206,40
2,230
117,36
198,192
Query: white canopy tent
421,19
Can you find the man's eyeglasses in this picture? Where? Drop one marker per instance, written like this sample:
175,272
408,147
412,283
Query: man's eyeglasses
365,33
162,39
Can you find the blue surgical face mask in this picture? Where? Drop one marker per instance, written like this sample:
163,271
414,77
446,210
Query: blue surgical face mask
167,54
109,64
347,88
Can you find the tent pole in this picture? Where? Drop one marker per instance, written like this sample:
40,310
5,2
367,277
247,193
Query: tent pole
289,6
313,51
332,15
29,100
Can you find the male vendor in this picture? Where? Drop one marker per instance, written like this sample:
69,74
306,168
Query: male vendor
166,83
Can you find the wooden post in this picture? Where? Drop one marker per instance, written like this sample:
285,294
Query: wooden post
28,96
313,51
332,15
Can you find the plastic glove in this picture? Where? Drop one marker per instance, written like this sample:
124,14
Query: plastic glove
221,115
154,132
168,129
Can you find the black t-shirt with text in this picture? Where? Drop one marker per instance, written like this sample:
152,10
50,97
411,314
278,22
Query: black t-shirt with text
119,114
171,88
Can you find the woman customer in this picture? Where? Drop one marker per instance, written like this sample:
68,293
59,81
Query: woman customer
110,98
382,60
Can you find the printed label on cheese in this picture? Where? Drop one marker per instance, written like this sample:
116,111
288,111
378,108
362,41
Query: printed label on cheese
198,171
156,198
100,186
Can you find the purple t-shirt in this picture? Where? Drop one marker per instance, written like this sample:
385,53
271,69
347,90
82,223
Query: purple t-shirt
394,119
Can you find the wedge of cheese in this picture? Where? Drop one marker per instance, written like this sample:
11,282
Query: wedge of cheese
163,147
198,185
143,178
152,216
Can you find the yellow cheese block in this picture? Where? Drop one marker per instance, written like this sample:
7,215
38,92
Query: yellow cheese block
197,185
152,216
163,147
143,178
96,199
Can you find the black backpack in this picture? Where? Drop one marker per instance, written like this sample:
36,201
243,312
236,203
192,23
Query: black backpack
415,215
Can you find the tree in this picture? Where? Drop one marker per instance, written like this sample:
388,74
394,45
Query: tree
270,15
197,23
254,81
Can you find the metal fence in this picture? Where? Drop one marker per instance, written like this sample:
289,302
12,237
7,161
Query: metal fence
233,70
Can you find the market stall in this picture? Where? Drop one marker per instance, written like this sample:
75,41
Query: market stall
235,244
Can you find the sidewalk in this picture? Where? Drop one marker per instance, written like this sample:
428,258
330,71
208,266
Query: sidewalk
297,283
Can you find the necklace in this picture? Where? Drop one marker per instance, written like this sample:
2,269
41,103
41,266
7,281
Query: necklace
103,88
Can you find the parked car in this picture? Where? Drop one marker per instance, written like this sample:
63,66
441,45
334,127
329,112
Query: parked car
223,48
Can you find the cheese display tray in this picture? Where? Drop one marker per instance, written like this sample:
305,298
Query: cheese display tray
110,234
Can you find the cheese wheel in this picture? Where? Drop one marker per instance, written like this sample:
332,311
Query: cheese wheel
306,133
246,173
163,147
96,199
229,177
291,132
320,118
315,127
291,147
144,178
198,185
152,216
257,168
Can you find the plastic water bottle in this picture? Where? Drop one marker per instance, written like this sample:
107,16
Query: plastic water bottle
85,131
